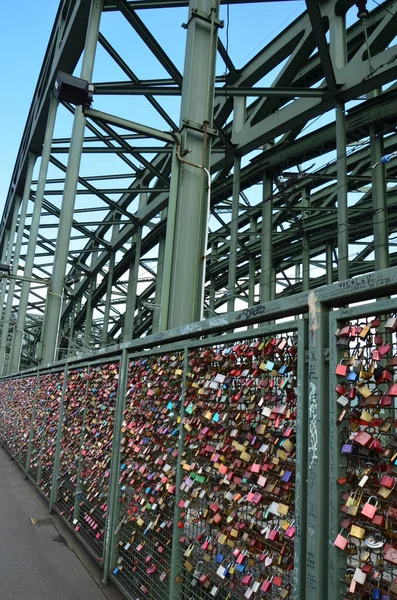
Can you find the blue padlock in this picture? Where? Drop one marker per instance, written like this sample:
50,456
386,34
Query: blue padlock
353,376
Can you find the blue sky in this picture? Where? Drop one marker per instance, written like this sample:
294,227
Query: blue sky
25,27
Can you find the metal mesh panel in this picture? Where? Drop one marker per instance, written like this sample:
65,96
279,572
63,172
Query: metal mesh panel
73,414
26,393
366,416
237,503
230,517
48,395
93,487
53,386
149,449
17,399
3,412
22,401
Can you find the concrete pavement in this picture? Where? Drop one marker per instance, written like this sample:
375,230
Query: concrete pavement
40,560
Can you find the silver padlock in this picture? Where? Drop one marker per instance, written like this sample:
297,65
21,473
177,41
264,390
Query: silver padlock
196,573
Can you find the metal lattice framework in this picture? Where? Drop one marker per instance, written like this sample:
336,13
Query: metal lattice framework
118,230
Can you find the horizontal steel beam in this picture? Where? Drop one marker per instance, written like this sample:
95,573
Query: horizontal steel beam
130,89
150,132
151,4
116,150
105,191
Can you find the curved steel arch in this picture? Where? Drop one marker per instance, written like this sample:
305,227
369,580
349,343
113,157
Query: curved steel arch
285,192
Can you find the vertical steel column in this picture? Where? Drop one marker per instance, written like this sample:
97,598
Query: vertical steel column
71,328
112,513
379,202
273,284
129,317
329,266
57,455
238,123
13,229
211,301
7,249
233,237
301,465
169,242
17,252
109,289
336,561
297,273
7,234
159,282
90,308
52,316
89,315
341,173
176,551
318,434
338,40
3,282
16,345
265,288
188,248
338,51
76,336
305,243
251,268
4,256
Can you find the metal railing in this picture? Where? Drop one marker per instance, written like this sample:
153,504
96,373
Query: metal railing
204,462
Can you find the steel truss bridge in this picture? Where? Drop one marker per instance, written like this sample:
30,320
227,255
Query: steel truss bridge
210,187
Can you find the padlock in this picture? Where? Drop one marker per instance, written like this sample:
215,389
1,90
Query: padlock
222,570
341,541
391,324
357,532
341,368
359,576
376,593
267,584
290,531
196,574
369,509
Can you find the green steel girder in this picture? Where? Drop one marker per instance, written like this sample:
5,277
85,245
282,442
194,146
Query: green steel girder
111,5
128,71
139,26
270,115
303,149
107,140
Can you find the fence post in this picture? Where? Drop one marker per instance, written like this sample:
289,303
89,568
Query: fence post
31,431
55,473
42,446
336,558
176,555
318,433
78,480
112,512
301,464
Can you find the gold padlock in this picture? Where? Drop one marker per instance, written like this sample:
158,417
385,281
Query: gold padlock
357,532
